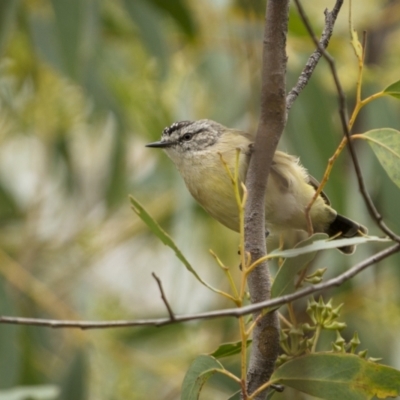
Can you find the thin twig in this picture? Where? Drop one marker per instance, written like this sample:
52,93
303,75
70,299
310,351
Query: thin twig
164,298
231,312
330,19
331,62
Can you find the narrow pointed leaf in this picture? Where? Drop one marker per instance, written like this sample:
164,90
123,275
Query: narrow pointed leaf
325,245
229,349
165,238
202,368
333,376
385,143
393,90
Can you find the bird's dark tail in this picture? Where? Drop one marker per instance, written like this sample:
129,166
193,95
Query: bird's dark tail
343,227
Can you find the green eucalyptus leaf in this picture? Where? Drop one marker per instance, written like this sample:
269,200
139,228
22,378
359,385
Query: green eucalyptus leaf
229,349
325,244
385,143
165,238
202,368
333,376
393,90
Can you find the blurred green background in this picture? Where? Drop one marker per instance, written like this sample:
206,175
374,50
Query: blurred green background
84,85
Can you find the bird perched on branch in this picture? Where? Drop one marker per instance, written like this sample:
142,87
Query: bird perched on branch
196,148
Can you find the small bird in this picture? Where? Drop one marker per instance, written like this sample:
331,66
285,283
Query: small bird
196,148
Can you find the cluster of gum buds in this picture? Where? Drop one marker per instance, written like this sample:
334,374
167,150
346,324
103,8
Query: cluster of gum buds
302,339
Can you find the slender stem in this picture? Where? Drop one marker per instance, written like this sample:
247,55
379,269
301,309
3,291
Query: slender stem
284,320
164,297
372,98
316,337
228,374
359,79
254,323
234,288
292,314
243,353
241,198
324,180
302,276
259,390
359,104
232,284
354,115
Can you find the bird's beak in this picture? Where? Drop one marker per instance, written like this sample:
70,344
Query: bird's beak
160,144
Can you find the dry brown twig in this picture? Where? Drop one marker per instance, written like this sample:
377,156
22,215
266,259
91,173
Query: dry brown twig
322,44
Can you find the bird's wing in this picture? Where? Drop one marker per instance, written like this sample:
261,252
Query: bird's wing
280,165
283,181
315,184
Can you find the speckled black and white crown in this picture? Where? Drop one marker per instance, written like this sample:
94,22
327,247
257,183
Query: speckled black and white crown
175,126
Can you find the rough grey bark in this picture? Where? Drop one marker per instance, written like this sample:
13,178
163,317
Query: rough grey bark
272,121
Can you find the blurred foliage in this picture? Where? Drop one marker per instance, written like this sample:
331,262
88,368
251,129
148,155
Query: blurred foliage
84,84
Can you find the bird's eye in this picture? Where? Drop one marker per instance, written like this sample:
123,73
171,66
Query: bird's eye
187,137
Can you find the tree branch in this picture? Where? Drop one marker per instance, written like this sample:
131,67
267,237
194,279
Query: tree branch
164,298
331,63
330,19
265,347
230,312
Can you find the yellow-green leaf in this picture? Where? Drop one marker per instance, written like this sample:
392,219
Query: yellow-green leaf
393,90
165,238
333,376
385,143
